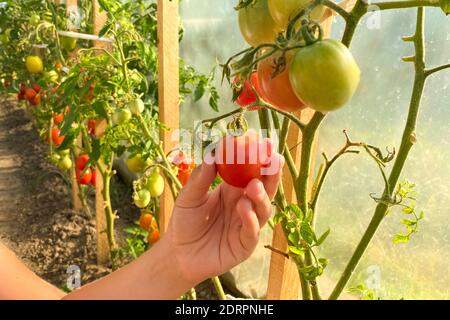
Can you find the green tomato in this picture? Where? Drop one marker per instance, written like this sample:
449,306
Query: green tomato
137,165
55,158
121,116
142,198
324,75
155,184
34,19
68,43
65,152
257,25
137,106
65,163
283,10
34,64
51,76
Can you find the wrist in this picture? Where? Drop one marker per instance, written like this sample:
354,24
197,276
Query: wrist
168,276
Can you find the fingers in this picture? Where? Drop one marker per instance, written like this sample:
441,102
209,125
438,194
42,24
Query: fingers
256,192
249,233
195,193
272,175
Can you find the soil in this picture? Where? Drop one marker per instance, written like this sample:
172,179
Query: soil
36,219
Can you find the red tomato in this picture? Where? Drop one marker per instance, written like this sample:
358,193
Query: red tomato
82,161
30,94
85,178
58,118
277,89
21,94
92,124
36,100
185,167
7,83
36,87
242,159
247,96
94,177
56,137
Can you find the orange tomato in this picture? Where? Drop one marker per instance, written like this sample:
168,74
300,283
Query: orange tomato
277,88
153,237
148,222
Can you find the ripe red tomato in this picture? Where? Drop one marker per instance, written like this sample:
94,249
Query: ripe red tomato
36,87
82,161
277,89
185,167
247,96
56,137
84,179
36,100
30,94
58,118
7,83
92,124
243,158
94,177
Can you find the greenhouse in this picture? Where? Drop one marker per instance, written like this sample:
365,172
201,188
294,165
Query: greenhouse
224,150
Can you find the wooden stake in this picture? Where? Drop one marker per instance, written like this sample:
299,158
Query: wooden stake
284,281
168,86
103,250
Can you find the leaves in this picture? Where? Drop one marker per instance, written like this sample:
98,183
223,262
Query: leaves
406,191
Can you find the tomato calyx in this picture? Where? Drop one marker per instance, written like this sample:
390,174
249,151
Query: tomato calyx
238,126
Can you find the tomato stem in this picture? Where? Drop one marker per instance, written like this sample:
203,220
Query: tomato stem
406,146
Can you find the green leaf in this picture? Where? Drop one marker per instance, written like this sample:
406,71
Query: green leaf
294,238
100,109
400,238
323,237
95,154
323,262
408,210
295,250
199,91
410,223
296,210
306,232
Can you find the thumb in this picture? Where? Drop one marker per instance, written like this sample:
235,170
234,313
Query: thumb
195,193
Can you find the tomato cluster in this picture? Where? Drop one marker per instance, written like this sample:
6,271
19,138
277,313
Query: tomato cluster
85,174
148,223
321,73
31,94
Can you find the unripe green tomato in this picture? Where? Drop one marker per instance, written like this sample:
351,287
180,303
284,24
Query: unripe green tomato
283,10
34,64
257,25
142,198
136,164
65,152
137,106
155,184
68,43
445,6
65,163
324,75
122,115
55,158
51,76
34,19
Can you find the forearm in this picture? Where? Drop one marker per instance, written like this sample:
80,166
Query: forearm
155,275
17,282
